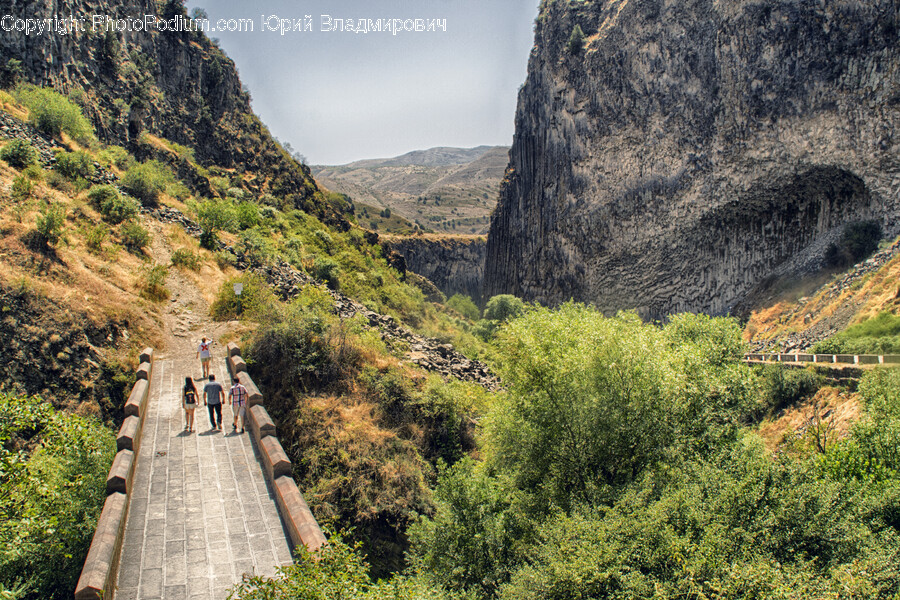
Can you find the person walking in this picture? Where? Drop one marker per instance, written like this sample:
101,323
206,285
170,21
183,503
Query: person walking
189,398
213,395
237,398
204,355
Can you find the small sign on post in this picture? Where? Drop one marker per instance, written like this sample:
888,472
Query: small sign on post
238,288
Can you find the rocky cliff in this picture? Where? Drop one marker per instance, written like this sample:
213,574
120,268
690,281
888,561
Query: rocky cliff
174,84
455,264
682,152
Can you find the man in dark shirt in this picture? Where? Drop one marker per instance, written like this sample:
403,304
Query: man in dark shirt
213,394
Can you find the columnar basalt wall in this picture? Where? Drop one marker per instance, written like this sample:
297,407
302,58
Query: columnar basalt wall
691,149
455,264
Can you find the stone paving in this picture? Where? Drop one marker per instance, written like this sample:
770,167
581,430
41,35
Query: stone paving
201,514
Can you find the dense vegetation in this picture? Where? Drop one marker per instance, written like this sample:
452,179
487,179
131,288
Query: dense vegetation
878,335
53,470
621,462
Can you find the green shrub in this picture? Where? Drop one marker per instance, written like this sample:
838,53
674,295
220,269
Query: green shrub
327,270
34,172
476,538
118,209
154,283
22,188
114,207
593,401
879,335
213,216
134,237
247,215
576,40
256,299
786,386
325,239
52,489
147,181
224,258
337,571
53,113
187,259
19,154
118,156
464,306
96,236
99,194
75,165
50,223
255,247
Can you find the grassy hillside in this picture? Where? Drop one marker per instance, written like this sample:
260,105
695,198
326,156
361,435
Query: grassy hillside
802,314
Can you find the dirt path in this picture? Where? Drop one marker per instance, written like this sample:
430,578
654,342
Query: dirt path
186,314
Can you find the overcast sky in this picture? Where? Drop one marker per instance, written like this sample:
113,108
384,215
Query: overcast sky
340,97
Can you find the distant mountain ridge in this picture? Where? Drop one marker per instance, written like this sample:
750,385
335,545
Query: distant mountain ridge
440,156
441,189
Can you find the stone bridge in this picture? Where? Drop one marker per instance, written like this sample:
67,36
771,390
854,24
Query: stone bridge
188,515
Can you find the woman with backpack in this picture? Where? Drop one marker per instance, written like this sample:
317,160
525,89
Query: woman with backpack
189,397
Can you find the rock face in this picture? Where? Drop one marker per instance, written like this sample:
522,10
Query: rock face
690,150
455,264
175,84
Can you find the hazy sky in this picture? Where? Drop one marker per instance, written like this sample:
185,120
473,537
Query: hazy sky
339,96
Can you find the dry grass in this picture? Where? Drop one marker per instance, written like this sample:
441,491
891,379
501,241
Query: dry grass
100,287
9,104
844,410
874,293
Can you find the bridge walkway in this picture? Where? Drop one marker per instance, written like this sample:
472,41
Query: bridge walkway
201,513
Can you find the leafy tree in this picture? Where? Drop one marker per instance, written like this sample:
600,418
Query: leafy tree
576,40
593,401
464,306
11,73
503,308
477,537
213,217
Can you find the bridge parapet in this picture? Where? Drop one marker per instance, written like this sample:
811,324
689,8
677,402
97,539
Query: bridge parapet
301,525
101,565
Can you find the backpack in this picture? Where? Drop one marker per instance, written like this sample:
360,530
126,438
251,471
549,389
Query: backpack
190,397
